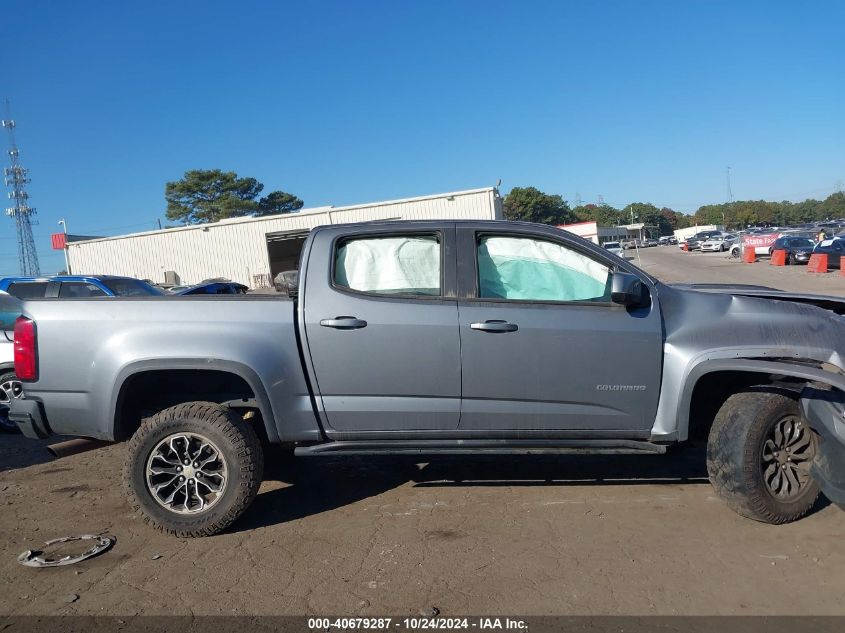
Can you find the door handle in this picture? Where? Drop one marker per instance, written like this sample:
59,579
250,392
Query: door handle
494,326
344,323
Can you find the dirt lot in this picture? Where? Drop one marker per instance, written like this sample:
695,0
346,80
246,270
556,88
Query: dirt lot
481,535
671,264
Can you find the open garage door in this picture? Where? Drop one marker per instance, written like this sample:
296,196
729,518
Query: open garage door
283,250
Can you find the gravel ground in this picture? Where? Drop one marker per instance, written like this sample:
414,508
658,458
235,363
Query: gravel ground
526,535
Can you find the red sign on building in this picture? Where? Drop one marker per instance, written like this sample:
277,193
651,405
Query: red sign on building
59,241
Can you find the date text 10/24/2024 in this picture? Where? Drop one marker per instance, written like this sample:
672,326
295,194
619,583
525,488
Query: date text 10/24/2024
416,624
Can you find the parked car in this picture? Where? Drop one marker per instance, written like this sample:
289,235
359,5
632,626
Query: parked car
798,249
76,286
286,281
511,344
649,243
628,244
718,243
615,248
214,288
834,249
10,386
694,242
666,240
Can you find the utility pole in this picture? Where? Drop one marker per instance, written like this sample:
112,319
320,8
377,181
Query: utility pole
65,249
730,196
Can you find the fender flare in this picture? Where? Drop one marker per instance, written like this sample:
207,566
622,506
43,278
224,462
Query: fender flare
200,364
748,365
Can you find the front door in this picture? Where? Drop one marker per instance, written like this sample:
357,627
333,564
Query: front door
543,347
381,322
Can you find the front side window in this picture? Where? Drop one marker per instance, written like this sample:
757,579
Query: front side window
397,265
526,269
130,287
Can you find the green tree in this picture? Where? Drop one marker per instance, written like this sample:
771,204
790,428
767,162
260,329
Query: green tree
277,202
209,195
529,204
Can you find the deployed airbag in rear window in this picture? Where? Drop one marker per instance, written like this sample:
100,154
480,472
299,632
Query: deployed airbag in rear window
390,265
535,270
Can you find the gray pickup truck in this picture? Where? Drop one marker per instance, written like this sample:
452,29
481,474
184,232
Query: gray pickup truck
443,337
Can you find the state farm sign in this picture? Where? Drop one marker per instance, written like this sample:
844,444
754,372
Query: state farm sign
760,241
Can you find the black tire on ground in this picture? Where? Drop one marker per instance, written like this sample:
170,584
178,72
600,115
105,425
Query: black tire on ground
741,439
204,423
14,390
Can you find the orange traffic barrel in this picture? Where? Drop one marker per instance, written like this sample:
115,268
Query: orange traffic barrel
778,258
817,263
748,255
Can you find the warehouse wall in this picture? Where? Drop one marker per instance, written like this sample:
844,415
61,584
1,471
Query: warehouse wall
237,248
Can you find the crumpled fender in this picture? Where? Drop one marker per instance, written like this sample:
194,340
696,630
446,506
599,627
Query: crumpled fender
824,410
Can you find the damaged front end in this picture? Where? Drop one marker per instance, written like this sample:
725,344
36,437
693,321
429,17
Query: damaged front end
791,340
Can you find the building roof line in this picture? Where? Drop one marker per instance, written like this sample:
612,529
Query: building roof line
311,211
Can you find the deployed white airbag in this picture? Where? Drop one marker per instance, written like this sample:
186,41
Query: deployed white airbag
390,265
536,270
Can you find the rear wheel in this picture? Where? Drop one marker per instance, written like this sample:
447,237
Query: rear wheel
193,469
758,457
10,389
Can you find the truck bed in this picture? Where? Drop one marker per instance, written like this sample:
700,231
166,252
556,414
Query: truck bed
90,342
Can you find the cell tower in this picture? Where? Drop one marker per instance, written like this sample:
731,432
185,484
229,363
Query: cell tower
16,179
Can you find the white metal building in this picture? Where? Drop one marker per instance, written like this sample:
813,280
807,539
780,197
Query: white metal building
683,234
598,234
253,250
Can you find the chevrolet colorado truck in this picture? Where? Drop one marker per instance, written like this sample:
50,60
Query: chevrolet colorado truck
443,337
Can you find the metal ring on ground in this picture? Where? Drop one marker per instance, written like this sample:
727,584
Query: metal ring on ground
35,558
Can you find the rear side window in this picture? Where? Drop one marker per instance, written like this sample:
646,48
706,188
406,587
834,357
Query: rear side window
79,289
28,289
396,265
526,269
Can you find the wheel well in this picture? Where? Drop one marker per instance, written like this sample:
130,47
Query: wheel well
711,391
147,392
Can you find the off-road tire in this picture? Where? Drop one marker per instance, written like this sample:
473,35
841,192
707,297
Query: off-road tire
239,446
734,454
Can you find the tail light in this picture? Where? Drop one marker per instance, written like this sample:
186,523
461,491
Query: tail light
26,352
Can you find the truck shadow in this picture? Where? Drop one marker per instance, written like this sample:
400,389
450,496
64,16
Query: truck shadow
321,484
17,451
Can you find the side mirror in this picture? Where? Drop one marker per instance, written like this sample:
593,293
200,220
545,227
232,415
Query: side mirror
626,289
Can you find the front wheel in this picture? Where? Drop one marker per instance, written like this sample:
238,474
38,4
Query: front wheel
193,469
758,457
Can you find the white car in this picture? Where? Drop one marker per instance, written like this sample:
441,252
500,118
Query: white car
615,248
719,243
10,386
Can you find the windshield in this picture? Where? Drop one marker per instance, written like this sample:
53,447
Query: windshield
131,288
796,242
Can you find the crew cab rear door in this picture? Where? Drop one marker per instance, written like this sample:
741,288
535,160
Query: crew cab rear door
544,349
381,323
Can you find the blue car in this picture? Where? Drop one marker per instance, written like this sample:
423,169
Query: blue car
76,287
214,288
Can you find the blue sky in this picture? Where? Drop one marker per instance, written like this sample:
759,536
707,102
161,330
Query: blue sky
351,102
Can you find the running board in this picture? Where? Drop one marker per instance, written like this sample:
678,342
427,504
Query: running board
495,447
